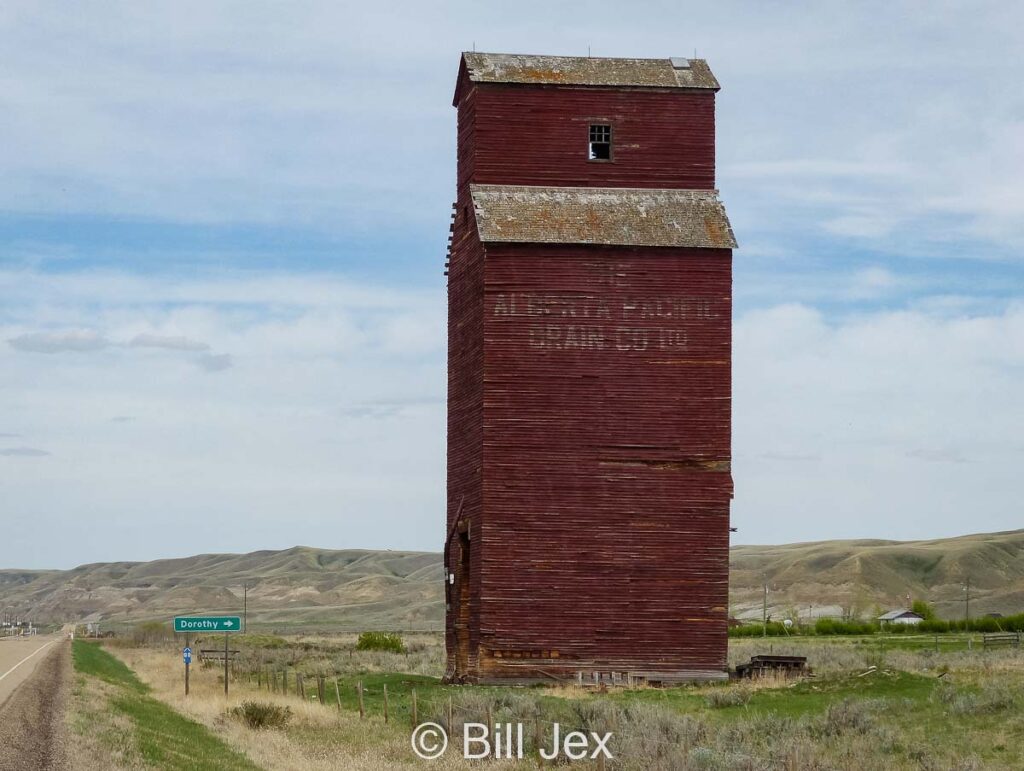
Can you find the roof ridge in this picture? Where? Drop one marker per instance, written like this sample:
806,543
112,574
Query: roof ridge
609,71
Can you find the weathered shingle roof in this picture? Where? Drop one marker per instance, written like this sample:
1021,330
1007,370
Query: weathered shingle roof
607,215
586,71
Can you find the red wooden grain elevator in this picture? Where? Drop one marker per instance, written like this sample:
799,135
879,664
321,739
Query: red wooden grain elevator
589,373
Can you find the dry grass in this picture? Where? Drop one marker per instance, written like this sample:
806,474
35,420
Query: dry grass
767,723
315,738
99,738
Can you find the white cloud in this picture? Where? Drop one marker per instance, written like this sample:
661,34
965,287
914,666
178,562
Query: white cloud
77,340
328,426
870,128
170,342
212,362
889,424
860,122
882,424
23,452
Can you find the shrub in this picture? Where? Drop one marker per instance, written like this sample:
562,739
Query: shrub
728,697
775,629
380,641
848,715
829,626
924,610
260,714
996,697
149,632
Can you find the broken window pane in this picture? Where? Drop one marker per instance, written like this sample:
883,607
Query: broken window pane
600,142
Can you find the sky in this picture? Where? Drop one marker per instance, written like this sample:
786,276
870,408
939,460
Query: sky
223,228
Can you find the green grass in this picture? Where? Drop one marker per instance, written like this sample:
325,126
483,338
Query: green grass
165,739
946,642
91,659
805,697
812,696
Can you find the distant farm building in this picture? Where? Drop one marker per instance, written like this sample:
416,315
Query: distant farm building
901,617
589,373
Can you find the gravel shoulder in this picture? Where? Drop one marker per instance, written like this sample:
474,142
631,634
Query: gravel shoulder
32,732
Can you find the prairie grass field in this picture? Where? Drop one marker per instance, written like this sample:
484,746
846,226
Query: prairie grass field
900,702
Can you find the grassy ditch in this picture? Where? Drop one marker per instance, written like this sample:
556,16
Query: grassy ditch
140,730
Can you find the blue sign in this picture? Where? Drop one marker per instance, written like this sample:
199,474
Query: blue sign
188,655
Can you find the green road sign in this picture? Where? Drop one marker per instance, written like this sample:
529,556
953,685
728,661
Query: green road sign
207,623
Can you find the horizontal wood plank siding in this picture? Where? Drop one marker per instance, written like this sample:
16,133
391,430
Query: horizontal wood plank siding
589,425
538,136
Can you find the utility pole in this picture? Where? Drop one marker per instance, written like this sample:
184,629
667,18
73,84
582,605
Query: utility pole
764,610
245,607
967,599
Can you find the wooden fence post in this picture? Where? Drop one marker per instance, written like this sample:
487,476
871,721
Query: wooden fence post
359,690
414,715
320,683
337,691
385,702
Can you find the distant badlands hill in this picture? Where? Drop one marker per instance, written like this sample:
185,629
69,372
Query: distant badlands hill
318,589
834,576
298,588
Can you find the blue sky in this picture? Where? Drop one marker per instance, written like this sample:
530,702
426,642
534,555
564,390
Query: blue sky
222,230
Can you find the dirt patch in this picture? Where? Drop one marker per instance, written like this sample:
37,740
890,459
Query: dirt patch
32,721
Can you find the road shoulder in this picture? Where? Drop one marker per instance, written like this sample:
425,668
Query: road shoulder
32,720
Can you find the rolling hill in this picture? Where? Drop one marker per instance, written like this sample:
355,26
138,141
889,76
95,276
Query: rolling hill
858,577
318,589
298,588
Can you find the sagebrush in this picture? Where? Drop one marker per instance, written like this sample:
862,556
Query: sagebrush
261,714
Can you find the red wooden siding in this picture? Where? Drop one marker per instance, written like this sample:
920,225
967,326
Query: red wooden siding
589,421
533,135
606,456
465,420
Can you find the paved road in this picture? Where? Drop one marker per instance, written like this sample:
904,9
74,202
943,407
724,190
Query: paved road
19,658
35,676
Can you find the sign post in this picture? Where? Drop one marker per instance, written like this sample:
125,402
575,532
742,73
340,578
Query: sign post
187,655
189,624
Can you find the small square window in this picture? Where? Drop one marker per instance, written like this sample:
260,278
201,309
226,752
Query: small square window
600,148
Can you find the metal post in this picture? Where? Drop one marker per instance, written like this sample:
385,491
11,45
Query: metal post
188,638
225,663
967,602
764,612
